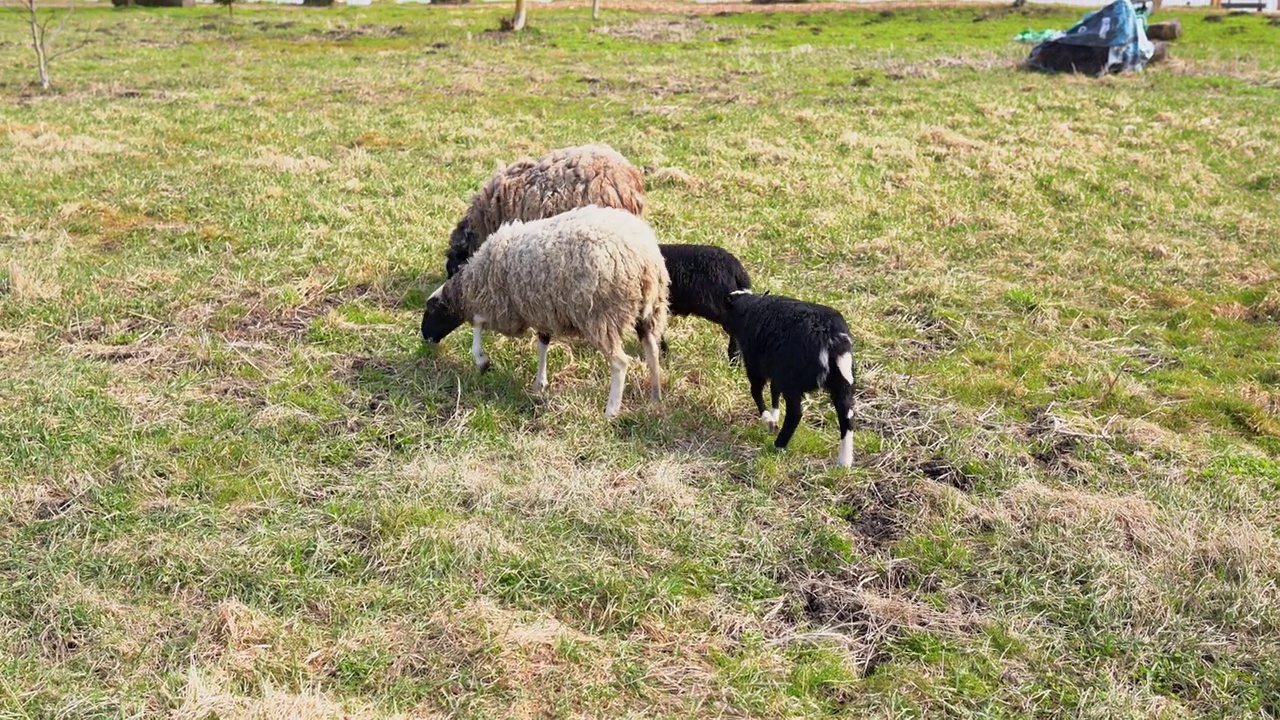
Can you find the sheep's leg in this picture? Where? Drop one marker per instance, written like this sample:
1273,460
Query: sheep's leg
618,365
840,385
789,425
842,399
540,380
734,353
477,345
649,344
757,394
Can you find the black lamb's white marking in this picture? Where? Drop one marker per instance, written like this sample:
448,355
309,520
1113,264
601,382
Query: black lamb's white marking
702,276
796,347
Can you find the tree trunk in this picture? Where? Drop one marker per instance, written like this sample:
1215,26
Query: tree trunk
595,9
37,44
517,22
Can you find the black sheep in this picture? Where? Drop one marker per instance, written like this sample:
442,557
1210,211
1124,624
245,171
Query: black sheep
702,276
796,347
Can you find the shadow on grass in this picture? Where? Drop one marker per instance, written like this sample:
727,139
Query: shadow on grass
435,387
442,387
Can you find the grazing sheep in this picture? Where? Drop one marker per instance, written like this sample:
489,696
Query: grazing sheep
592,272
537,188
702,276
796,347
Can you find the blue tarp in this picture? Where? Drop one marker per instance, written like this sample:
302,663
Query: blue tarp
1111,39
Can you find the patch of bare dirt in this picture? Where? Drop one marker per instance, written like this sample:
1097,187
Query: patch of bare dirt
875,514
941,470
264,25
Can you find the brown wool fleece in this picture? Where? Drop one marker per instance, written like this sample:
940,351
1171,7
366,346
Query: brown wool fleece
561,180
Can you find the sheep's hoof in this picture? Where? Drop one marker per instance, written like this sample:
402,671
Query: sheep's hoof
483,367
538,387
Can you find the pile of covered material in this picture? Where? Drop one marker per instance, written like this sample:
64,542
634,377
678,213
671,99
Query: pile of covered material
1109,40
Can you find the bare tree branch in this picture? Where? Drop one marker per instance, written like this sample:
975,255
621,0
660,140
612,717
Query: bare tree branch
44,26
71,49
70,9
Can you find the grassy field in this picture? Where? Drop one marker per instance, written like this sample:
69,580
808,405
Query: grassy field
233,483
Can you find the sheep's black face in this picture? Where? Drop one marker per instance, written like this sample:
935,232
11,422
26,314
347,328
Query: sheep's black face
438,320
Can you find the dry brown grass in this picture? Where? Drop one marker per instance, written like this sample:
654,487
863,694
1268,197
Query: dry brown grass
212,695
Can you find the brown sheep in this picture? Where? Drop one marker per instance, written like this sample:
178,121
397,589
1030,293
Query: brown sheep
538,188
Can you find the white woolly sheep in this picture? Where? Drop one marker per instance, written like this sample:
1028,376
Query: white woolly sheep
702,276
591,272
537,188
796,347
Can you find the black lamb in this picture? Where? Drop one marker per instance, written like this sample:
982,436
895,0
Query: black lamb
796,347
702,276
